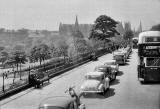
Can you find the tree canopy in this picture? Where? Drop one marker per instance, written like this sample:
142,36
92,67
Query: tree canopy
155,27
104,28
128,34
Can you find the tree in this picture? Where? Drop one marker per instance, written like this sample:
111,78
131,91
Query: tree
3,56
23,31
79,42
18,58
62,48
53,50
104,28
127,26
155,27
2,30
128,35
40,52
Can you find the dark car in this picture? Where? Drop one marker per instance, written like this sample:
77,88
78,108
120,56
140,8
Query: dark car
59,102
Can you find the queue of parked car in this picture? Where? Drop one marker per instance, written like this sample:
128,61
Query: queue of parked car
122,55
98,81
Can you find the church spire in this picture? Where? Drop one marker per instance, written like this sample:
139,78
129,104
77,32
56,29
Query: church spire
60,28
76,24
140,27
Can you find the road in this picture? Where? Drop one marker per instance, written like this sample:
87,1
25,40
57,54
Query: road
125,92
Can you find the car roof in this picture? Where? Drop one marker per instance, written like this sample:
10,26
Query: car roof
59,101
96,73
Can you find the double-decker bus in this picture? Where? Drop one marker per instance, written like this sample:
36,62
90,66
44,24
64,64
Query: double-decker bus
149,56
135,42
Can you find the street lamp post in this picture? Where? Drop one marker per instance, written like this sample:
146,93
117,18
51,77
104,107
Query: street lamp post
20,67
3,83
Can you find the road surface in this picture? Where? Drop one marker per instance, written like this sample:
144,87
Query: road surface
125,92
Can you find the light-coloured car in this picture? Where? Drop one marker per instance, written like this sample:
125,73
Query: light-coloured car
95,82
109,71
120,58
113,64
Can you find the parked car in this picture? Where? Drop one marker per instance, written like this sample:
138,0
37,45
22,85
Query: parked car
108,70
59,102
95,82
113,64
93,57
120,58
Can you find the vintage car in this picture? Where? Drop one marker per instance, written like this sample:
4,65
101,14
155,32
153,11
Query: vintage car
95,82
113,64
120,58
108,70
59,102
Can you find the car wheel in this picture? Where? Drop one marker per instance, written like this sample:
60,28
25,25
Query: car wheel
114,76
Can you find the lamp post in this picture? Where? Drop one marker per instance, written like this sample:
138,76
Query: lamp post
3,83
20,58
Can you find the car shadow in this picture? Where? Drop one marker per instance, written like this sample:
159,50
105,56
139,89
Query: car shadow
120,73
123,64
44,85
151,83
108,93
115,82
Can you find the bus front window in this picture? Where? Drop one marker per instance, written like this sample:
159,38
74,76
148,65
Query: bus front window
153,62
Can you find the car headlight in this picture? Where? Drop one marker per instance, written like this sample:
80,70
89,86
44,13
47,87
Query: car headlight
113,70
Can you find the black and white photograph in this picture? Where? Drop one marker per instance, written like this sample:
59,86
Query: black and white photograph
79,54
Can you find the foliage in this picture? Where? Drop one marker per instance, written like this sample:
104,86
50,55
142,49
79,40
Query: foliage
79,42
155,27
23,31
53,50
104,28
62,47
127,26
17,57
39,52
3,56
128,35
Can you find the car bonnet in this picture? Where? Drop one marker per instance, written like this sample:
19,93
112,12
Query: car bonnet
59,101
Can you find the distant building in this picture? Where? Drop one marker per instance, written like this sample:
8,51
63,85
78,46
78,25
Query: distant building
67,29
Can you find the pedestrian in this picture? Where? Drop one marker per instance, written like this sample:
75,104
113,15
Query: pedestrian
7,75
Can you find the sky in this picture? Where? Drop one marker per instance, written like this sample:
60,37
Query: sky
47,14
